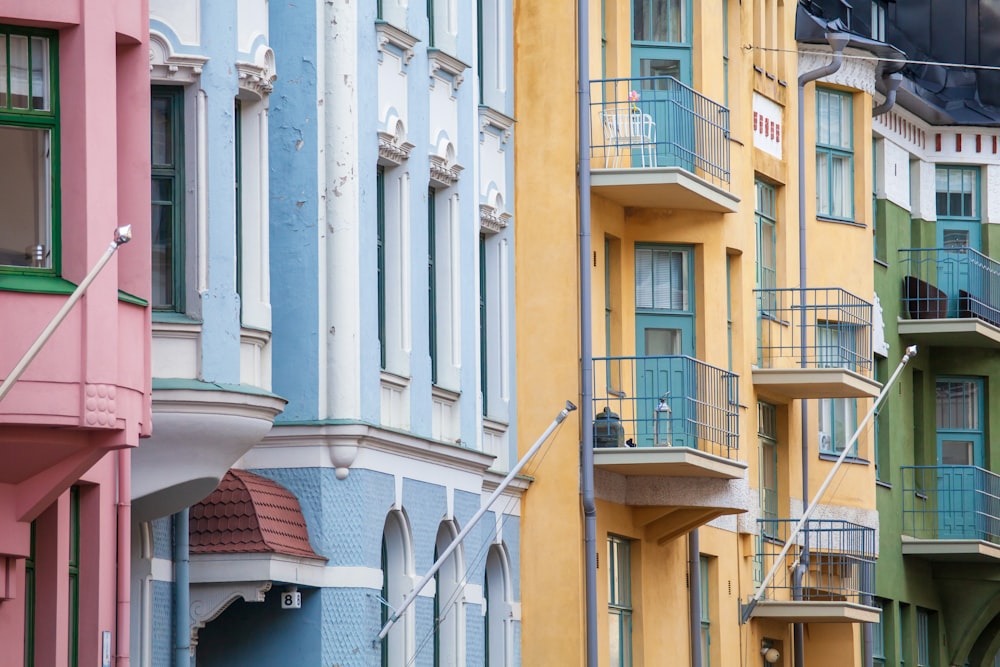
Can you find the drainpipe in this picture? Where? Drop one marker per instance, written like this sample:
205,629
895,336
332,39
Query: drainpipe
182,591
586,334
891,83
838,42
124,460
694,597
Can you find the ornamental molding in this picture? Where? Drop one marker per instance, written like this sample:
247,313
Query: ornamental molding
853,73
259,76
491,220
165,65
443,174
446,68
502,124
208,601
389,35
393,148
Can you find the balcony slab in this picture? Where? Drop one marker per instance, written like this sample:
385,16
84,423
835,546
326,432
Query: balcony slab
951,551
824,611
667,462
951,332
661,187
787,384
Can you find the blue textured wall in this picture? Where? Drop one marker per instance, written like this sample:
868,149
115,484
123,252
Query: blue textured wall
163,602
163,538
294,155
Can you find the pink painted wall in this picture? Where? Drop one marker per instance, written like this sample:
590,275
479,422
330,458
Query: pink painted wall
89,390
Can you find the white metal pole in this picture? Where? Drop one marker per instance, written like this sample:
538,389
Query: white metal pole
122,236
473,521
910,353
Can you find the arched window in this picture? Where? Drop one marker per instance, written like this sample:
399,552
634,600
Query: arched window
397,569
448,611
496,593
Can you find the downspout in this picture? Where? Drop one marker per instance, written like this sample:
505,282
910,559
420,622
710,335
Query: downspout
182,590
124,460
586,334
838,42
694,596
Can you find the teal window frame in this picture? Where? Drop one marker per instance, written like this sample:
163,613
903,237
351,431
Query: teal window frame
725,52
923,637
835,346
171,173
679,285
766,221
74,576
834,145
44,120
484,358
953,201
675,21
430,24
380,261
706,612
767,435
620,599
878,635
432,314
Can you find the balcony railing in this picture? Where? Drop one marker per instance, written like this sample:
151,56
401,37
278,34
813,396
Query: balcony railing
657,121
951,502
825,327
950,283
665,401
841,563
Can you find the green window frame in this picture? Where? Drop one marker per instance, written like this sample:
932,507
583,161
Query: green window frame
432,314
167,211
483,328
878,635
706,616
29,126
620,601
380,260
957,193
430,24
765,219
29,601
834,155
74,575
767,434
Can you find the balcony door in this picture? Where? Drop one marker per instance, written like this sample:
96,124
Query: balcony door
661,47
664,324
958,403
959,229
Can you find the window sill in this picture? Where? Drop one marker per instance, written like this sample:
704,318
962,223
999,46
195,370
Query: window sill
826,456
842,221
172,317
884,485
38,284
881,262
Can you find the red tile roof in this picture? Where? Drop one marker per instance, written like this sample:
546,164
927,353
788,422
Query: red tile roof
248,513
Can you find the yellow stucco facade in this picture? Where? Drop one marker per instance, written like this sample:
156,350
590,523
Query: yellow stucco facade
710,225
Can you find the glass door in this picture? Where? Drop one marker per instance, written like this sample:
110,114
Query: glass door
960,453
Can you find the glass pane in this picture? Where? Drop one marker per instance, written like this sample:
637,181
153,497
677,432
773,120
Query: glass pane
658,67
957,453
3,70
614,638
39,74
676,22
643,278
163,255
958,405
639,21
162,148
25,239
844,140
19,71
661,342
822,183
955,238
840,196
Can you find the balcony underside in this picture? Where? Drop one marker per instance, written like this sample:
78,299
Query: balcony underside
952,551
951,332
667,462
815,611
787,384
661,187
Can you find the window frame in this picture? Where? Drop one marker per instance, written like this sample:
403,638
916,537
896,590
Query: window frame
46,120
704,562
767,434
923,657
681,23
878,635
176,173
432,312
766,220
829,152
620,595
975,197
380,262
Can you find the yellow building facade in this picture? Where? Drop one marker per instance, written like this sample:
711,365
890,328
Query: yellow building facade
714,369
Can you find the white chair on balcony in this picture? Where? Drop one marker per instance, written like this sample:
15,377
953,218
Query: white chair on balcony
628,131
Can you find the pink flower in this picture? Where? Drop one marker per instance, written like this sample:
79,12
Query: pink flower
633,96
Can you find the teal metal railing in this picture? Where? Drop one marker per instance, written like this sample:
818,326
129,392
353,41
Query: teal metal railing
951,502
657,121
665,401
841,561
836,324
950,283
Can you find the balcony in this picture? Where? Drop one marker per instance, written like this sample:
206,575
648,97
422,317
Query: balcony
951,297
951,513
813,343
656,143
837,582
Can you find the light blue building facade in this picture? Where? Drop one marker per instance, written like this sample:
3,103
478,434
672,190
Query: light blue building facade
384,174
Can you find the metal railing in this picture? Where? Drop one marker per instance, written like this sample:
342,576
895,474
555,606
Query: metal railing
841,560
657,121
951,502
950,283
666,401
836,324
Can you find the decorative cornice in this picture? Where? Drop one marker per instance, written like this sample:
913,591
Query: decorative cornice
502,123
855,73
450,67
444,174
210,600
491,220
165,65
255,78
390,35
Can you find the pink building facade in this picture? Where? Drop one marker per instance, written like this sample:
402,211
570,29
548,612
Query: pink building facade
74,166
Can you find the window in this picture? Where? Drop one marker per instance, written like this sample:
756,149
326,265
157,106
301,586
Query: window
725,52
238,201
29,143
837,422
493,17
484,348
834,155
661,279
380,260
765,216
430,24
497,608
883,469
879,241
432,324
706,620
878,19
447,599
620,601
957,193
167,152
878,636
397,572
494,325
660,21
767,433
923,638
74,575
